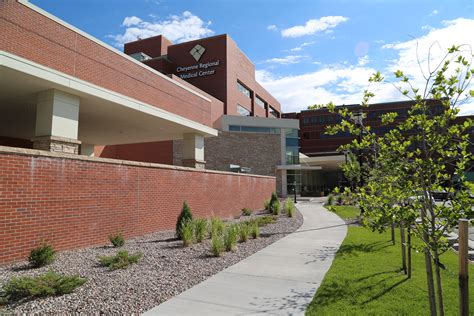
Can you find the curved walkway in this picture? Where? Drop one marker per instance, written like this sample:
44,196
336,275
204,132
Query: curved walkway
279,279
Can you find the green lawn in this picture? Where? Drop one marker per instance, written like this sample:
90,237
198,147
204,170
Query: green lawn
346,211
365,279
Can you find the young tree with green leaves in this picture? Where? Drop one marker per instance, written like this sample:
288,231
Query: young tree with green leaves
429,151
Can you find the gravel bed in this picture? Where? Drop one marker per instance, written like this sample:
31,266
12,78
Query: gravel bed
165,270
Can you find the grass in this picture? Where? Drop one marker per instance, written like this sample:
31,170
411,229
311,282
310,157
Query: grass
365,279
345,211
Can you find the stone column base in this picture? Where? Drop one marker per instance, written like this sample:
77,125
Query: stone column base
56,144
193,163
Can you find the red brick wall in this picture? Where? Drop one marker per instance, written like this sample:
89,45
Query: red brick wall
33,36
77,202
156,152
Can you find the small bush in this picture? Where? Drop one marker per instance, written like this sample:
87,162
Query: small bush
290,208
265,220
276,208
48,284
117,240
330,199
186,215
217,245
230,237
266,205
274,198
187,233
246,212
244,231
200,229
340,199
254,230
120,261
217,227
41,256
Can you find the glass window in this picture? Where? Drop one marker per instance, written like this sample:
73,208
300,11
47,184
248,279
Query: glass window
243,89
260,102
242,111
254,129
292,142
273,112
291,132
292,155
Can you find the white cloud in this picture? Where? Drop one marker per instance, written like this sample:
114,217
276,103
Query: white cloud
434,12
427,28
290,59
272,27
314,26
177,28
344,83
300,48
364,60
131,20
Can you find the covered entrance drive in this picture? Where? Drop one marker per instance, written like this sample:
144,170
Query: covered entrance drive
45,109
320,175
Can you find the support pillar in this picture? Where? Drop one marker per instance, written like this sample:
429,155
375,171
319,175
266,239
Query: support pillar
193,151
57,122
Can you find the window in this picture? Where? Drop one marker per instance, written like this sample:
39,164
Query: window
260,102
243,89
292,146
273,112
242,111
254,129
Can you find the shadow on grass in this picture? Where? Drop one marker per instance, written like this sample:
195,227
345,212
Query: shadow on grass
384,291
353,249
365,287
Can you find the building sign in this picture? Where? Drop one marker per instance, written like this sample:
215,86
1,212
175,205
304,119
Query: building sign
197,70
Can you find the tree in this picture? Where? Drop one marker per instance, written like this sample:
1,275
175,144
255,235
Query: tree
426,152
183,217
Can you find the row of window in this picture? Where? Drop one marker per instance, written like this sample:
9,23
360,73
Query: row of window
372,115
380,130
254,129
243,111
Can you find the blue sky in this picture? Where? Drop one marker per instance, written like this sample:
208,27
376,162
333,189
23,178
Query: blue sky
305,52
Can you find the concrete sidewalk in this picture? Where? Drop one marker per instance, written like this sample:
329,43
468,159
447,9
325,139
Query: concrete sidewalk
280,279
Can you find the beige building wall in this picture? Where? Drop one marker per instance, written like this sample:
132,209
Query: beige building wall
258,151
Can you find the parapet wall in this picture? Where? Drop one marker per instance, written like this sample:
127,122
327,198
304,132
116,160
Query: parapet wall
75,201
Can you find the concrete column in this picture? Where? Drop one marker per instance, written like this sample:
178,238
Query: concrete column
57,122
283,146
284,186
87,150
193,151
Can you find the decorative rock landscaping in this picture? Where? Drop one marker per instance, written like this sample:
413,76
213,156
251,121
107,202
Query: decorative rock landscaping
165,270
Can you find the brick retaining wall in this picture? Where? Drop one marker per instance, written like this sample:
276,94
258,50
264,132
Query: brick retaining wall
76,201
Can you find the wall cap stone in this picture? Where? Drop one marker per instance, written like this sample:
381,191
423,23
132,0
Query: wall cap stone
41,153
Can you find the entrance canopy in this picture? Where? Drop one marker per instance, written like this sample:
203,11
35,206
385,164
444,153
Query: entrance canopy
105,117
326,163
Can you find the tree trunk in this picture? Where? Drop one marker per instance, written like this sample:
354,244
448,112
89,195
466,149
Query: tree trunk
402,242
393,233
409,250
439,287
429,278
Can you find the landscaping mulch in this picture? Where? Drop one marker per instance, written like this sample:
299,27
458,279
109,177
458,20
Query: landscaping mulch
165,270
